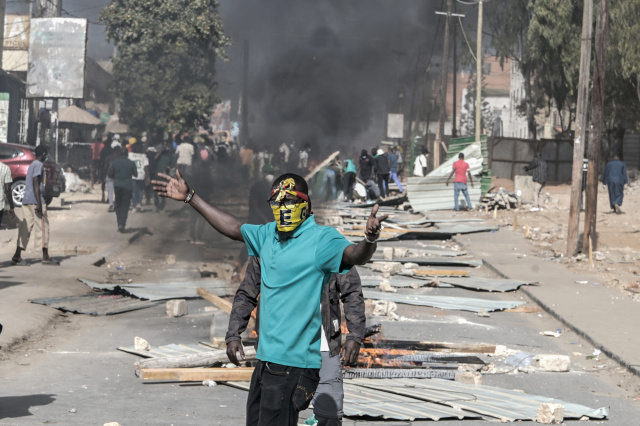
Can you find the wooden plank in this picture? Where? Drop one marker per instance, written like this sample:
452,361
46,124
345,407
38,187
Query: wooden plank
197,374
223,304
441,272
525,309
203,359
321,165
412,345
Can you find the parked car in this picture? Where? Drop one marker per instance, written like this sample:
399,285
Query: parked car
18,158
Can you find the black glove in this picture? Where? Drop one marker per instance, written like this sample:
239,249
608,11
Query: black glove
232,348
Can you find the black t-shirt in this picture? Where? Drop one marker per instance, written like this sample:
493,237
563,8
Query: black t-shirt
366,166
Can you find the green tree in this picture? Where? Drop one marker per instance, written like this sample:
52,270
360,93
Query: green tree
165,74
509,39
554,43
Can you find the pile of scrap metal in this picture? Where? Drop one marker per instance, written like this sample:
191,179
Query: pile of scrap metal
501,199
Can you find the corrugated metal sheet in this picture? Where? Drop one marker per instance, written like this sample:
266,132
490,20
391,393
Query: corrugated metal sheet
167,350
96,304
433,261
363,401
436,399
465,229
487,284
167,290
490,401
444,302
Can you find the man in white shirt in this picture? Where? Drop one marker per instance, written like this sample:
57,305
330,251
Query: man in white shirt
142,167
185,153
420,164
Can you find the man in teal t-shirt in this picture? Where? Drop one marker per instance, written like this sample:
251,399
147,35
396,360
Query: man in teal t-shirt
297,259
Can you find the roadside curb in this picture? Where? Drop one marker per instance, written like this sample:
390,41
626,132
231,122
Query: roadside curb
557,315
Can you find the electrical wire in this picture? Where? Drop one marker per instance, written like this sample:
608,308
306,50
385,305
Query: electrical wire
464,33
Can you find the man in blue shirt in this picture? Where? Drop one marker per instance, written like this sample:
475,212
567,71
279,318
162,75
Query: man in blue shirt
615,178
298,258
34,211
393,168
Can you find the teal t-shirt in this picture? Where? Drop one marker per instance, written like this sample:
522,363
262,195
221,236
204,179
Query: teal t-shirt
350,167
293,275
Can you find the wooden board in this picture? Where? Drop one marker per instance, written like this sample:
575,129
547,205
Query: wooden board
223,304
440,272
197,374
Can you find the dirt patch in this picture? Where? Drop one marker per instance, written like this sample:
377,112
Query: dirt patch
616,248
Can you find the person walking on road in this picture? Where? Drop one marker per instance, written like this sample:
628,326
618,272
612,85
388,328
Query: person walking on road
142,177
393,168
298,258
185,152
34,210
539,167
420,164
115,152
122,171
615,179
329,397
461,170
5,190
381,162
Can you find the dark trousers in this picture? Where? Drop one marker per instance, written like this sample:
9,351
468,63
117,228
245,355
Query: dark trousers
349,180
123,201
278,393
382,184
616,193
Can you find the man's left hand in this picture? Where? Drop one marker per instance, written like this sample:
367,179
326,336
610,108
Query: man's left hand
350,352
374,224
12,212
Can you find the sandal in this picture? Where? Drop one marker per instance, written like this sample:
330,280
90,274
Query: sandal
51,262
20,262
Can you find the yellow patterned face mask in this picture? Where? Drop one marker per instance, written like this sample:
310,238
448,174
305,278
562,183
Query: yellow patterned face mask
290,217
289,214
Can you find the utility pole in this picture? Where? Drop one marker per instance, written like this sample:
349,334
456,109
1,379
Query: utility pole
597,118
581,130
3,8
479,75
444,77
454,132
244,126
57,12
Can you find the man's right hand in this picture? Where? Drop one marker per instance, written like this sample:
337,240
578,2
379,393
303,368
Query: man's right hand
233,348
174,188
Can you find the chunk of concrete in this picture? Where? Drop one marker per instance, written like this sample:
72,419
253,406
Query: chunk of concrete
390,267
387,253
385,285
177,308
523,186
140,344
170,259
400,251
550,413
551,363
468,377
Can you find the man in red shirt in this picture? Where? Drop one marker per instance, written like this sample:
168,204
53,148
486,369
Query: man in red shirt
461,170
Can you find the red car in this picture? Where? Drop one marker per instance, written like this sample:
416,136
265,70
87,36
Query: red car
18,158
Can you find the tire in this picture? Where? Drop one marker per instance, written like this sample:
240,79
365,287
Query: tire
17,192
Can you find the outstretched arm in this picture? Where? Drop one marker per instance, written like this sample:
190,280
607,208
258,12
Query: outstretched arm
449,178
178,189
360,253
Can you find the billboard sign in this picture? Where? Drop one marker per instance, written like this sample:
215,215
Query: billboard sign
57,58
395,125
16,32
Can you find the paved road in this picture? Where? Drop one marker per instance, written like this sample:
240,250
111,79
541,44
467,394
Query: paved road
70,363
